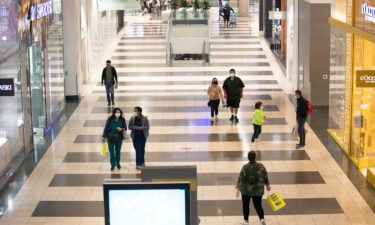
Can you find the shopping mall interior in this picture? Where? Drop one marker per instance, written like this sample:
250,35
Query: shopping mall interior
125,112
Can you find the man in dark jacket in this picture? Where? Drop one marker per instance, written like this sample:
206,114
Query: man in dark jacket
109,79
301,112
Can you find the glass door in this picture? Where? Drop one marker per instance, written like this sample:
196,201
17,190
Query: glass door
37,90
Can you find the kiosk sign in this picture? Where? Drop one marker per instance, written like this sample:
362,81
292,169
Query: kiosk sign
6,87
365,78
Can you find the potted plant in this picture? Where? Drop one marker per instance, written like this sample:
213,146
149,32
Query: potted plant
205,6
184,4
196,7
174,7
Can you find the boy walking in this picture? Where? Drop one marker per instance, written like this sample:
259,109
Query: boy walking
258,121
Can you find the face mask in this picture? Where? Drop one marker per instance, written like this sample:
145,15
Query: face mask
117,115
215,83
135,114
232,74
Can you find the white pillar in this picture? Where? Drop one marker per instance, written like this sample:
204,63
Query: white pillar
72,58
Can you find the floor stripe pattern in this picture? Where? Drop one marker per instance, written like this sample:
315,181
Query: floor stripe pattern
65,188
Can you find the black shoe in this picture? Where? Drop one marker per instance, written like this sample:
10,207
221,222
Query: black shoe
236,119
112,168
298,146
113,103
118,167
231,118
109,104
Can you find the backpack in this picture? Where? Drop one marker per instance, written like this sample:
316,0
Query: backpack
309,108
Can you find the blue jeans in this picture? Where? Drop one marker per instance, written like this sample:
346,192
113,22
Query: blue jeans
139,143
110,90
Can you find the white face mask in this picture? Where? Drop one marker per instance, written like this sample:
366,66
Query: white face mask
135,114
232,75
117,115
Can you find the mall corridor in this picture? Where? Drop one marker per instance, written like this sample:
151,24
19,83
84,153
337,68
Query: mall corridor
66,186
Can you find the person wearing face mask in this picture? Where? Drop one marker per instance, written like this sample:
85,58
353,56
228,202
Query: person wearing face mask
233,92
258,121
114,133
139,127
215,93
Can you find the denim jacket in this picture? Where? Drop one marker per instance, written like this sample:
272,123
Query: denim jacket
145,124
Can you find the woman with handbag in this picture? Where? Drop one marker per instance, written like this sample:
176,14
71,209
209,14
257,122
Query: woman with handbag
139,127
215,93
114,132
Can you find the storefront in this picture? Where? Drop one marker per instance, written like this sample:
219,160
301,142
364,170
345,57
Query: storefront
32,47
272,19
352,80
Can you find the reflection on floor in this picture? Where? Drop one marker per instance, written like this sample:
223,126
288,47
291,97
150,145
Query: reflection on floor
65,187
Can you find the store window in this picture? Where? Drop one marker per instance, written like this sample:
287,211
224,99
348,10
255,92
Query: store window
55,48
337,84
363,102
11,115
11,112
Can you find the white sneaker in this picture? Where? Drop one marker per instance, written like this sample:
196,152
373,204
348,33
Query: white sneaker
244,222
263,222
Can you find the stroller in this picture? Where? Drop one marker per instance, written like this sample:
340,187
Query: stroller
233,19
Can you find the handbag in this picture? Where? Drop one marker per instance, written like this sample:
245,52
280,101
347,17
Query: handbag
276,201
112,137
209,103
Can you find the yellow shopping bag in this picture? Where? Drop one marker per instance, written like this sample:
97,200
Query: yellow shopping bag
276,201
103,150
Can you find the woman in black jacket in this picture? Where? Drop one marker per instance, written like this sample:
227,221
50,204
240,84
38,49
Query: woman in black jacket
114,132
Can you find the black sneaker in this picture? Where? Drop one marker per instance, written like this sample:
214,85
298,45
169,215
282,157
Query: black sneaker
236,119
112,168
118,167
231,118
298,146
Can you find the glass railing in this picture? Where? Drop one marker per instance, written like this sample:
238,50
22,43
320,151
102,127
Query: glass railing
189,17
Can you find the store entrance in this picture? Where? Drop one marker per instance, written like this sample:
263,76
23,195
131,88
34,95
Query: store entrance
363,104
37,93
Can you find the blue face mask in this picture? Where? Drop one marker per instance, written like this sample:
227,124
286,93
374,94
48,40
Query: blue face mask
117,115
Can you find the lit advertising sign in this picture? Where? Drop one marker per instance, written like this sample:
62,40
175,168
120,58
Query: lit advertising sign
365,78
41,10
6,87
368,12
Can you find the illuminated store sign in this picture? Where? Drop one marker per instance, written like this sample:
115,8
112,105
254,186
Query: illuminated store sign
6,87
365,78
368,12
41,10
